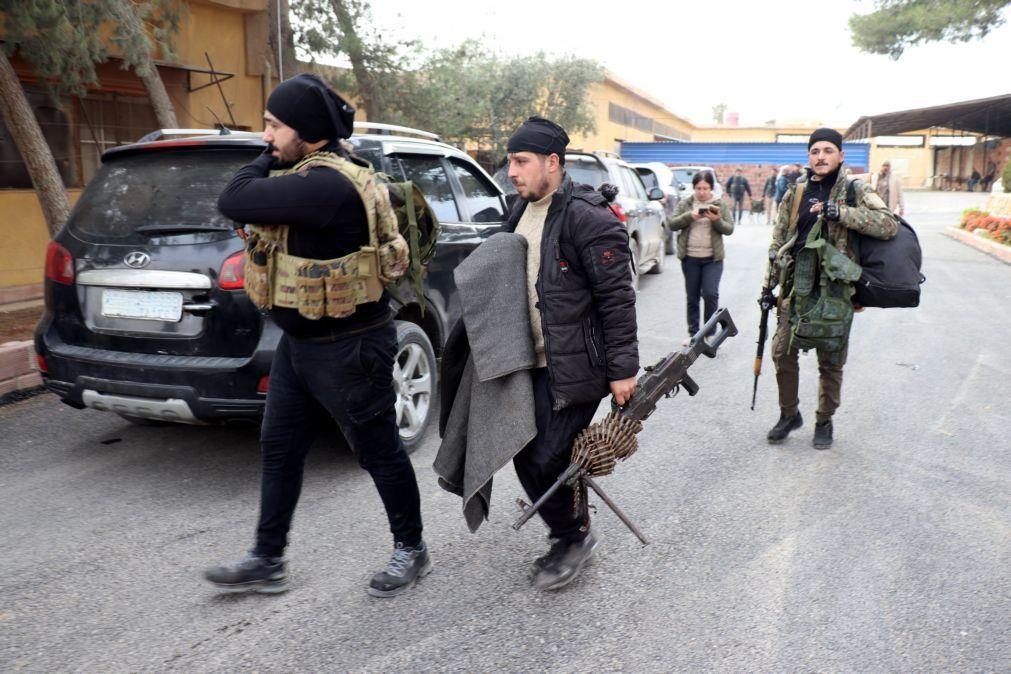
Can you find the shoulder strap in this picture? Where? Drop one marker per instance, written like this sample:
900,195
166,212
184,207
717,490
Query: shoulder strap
798,195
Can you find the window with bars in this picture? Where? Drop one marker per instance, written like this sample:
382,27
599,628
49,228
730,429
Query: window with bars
108,120
77,131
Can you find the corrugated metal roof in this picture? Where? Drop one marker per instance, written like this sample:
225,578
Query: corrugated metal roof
708,154
990,116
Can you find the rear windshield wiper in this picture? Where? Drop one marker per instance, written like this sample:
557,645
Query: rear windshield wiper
178,229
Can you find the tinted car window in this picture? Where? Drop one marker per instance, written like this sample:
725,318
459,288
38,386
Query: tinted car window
137,197
638,191
684,177
648,178
371,151
586,170
481,199
431,177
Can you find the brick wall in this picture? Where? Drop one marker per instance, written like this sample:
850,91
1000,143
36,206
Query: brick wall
757,173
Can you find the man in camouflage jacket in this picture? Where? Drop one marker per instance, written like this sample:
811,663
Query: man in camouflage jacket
823,193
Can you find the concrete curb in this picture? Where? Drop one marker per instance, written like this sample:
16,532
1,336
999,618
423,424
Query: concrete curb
18,370
991,248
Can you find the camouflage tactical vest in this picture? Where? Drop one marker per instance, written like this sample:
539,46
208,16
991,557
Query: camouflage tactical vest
334,287
821,308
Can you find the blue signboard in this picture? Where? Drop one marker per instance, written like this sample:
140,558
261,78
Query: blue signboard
709,154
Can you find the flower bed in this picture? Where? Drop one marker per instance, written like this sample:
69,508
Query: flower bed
982,223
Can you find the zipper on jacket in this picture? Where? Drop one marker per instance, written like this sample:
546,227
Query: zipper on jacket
593,344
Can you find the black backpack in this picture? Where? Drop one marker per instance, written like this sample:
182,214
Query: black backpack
891,269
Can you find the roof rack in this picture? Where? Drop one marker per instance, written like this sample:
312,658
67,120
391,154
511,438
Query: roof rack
160,134
391,129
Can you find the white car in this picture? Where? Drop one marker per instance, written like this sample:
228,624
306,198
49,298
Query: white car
683,176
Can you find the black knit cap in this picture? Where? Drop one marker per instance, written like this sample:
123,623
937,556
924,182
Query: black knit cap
541,136
825,133
306,104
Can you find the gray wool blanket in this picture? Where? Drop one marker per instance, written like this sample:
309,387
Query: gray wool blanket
492,416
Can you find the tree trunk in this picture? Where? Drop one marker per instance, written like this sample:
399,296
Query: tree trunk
352,46
145,68
38,158
280,13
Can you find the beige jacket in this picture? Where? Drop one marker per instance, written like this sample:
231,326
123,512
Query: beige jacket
896,202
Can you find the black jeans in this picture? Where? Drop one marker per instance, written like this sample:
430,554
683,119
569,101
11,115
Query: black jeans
540,463
350,380
702,278
738,208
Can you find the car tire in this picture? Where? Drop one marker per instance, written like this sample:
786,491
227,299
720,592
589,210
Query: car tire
415,379
633,247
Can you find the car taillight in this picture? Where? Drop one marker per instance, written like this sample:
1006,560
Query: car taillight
41,361
59,264
233,272
263,384
619,211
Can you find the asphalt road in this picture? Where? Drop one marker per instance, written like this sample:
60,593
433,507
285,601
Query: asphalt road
889,552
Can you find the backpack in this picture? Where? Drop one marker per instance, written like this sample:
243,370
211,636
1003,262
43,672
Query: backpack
891,268
417,224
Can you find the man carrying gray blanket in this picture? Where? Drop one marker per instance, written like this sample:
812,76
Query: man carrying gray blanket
582,319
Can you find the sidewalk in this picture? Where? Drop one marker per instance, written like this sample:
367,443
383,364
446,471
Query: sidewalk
20,309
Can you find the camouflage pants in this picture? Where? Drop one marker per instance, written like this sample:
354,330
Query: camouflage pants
788,372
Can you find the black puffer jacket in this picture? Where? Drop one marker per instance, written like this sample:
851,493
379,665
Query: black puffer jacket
585,295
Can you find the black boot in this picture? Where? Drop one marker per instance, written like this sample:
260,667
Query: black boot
406,566
250,572
783,428
562,564
822,434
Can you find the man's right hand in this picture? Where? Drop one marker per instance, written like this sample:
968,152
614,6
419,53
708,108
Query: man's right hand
766,300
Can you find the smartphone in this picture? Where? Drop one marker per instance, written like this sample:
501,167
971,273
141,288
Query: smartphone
703,210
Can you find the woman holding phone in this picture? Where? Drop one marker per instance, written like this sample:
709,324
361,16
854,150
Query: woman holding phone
701,222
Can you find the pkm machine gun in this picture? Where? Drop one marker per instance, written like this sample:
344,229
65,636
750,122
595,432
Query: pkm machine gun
598,447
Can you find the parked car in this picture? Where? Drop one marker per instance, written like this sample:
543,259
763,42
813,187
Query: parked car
146,315
636,205
684,174
657,174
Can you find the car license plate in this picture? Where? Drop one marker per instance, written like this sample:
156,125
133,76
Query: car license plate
145,305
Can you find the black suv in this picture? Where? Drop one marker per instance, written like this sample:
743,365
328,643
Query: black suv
145,312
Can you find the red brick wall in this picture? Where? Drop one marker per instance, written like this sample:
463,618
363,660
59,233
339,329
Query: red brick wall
757,173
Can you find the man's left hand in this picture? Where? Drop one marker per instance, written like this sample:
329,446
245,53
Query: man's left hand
622,390
832,211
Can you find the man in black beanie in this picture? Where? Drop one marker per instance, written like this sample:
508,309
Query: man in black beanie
337,366
582,319
819,198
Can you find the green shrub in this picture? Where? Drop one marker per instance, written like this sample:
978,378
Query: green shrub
1006,176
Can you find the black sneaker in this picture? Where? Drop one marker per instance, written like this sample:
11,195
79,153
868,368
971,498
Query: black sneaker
783,428
822,434
563,563
268,575
406,566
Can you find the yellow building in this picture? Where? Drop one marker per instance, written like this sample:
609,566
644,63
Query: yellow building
230,34
624,113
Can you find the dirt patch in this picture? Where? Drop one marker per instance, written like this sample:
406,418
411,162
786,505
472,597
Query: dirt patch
19,324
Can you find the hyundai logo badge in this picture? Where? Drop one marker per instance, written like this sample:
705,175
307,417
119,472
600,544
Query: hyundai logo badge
137,259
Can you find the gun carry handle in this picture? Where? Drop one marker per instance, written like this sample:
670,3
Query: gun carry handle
717,329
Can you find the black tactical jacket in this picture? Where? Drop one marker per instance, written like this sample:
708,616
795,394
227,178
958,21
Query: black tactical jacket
585,295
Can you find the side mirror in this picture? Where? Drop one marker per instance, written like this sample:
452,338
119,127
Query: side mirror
655,194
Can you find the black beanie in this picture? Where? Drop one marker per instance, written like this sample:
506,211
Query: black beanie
308,105
541,136
825,133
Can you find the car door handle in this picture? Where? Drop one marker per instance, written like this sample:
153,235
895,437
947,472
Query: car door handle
199,308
